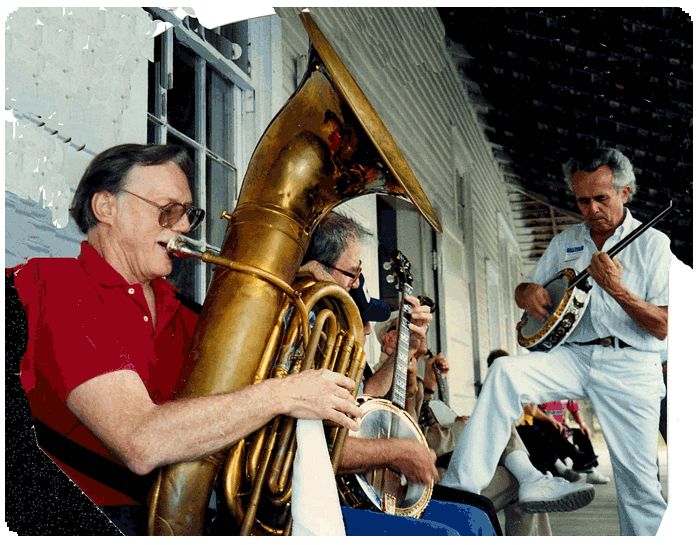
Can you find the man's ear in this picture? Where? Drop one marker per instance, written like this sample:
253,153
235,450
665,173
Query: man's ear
104,206
624,194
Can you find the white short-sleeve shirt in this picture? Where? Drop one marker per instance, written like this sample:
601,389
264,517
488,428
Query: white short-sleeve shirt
645,273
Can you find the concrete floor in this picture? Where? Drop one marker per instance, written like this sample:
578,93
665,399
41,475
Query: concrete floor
599,518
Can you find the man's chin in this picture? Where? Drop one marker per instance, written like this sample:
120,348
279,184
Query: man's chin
164,265
164,269
599,226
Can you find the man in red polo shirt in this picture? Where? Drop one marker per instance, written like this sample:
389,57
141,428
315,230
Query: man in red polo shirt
106,360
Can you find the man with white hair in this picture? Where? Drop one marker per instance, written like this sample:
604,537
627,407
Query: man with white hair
612,355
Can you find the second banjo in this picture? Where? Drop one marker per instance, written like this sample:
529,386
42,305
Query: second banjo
383,489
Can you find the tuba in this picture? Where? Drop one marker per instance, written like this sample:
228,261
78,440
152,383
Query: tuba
325,146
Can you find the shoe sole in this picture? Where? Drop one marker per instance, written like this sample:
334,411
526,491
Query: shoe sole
569,502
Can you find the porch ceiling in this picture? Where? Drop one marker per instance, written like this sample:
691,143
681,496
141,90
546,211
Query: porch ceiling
548,81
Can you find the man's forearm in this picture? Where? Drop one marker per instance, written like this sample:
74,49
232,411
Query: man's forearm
406,456
651,318
191,428
360,455
379,383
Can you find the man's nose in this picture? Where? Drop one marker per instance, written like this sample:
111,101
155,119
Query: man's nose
594,207
182,225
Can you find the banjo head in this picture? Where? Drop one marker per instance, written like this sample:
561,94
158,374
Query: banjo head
382,419
567,308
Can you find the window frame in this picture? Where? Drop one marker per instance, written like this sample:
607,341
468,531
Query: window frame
238,95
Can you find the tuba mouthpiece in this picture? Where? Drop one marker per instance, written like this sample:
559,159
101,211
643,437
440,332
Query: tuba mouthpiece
182,246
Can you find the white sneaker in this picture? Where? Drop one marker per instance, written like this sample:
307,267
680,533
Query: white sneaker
595,477
553,494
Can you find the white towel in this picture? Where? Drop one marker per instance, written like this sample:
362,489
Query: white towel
315,503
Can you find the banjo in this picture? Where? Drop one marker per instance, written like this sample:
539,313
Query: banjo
384,489
570,294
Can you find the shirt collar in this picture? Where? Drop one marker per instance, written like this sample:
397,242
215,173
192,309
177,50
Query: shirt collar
98,267
626,227
107,276
628,223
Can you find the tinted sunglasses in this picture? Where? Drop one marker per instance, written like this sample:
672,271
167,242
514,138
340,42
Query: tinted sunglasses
171,213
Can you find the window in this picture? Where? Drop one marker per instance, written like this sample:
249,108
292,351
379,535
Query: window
196,98
495,306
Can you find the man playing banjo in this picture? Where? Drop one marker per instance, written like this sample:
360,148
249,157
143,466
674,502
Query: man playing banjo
612,355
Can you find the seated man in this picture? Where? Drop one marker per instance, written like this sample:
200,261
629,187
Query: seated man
108,338
333,255
518,487
574,443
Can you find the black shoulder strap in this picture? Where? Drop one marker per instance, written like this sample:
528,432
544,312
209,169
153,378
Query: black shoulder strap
190,303
93,465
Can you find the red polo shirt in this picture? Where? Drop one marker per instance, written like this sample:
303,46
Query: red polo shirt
85,321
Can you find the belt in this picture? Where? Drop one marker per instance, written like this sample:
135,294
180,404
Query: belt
605,341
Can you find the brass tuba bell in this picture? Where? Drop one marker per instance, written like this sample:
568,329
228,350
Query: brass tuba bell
325,146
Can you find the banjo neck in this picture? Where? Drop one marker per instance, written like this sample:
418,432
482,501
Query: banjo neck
398,389
583,275
402,274
384,488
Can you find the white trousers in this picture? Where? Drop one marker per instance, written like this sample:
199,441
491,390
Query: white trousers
625,387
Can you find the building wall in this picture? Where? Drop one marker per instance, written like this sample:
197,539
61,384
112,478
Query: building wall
76,79
399,58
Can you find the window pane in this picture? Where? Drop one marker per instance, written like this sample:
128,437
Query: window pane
219,116
220,181
183,275
181,102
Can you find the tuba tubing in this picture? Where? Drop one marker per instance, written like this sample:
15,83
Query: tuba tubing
274,446
325,146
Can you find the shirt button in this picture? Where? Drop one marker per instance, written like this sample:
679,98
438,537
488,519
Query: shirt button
131,291
145,318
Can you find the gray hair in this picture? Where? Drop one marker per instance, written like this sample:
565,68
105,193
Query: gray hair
332,237
591,160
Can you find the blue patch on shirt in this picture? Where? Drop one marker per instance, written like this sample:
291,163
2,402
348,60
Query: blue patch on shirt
572,250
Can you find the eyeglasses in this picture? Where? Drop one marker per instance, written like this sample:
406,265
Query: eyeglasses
171,213
354,275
